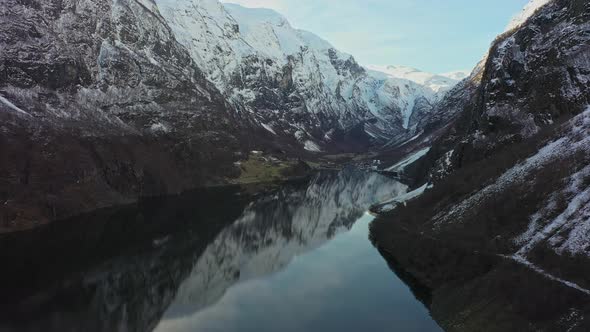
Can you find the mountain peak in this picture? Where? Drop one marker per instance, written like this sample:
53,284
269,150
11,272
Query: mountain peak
527,12
275,72
251,16
436,82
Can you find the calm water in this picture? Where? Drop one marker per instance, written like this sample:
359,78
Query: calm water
296,258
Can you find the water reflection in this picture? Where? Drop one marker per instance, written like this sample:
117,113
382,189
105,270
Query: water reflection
342,286
219,260
116,270
276,228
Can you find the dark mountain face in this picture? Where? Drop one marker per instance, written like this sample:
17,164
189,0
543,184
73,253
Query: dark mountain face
99,106
116,64
104,102
505,228
534,76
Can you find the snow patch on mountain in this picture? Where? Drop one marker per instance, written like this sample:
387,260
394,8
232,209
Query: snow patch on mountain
568,232
527,12
290,79
269,32
150,5
391,204
400,166
563,223
12,106
269,128
312,146
576,139
544,273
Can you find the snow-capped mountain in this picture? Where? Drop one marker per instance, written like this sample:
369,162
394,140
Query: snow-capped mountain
290,81
440,84
135,98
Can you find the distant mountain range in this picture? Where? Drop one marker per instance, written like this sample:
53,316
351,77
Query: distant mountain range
439,83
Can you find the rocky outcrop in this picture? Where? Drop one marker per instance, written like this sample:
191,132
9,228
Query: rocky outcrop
533,77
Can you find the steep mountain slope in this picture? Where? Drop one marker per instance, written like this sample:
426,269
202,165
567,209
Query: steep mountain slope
290,81
100,105
451,103
510,179
533,77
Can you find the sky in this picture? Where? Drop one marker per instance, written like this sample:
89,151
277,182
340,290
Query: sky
438,36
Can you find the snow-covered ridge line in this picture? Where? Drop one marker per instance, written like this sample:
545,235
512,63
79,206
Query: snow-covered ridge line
293,81
527,12
438,83
457,75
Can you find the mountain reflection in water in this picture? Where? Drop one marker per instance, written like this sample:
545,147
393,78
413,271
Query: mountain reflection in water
218,260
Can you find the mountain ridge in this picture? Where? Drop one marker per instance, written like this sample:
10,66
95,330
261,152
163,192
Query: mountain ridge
509,185
267,68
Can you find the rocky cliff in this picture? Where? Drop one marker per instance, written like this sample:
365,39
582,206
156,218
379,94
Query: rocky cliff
510,184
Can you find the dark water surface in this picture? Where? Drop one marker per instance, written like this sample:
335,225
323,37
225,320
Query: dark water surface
296,258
